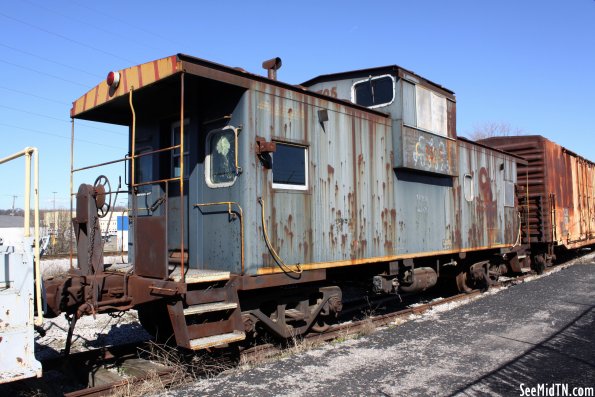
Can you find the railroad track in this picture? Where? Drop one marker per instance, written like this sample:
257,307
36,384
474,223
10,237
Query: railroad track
109,369
125,367
141,371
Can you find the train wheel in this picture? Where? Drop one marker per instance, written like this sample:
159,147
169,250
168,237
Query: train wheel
538,264
329,312
154,318
461,281
495,271
321,324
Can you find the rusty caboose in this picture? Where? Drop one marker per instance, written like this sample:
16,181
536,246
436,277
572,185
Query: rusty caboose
557,199
254,203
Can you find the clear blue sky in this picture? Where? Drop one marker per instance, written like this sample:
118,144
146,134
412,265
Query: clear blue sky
527,63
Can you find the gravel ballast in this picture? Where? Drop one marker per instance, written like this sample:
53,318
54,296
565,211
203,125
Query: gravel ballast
535,332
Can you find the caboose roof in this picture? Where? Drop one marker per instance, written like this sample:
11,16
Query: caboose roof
154,78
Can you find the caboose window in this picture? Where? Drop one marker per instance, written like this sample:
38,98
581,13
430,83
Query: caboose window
468,187
508,194
221,155
175,156
374,91
290,167
144,165
424,109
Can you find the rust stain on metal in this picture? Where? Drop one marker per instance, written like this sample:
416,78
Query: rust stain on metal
489,204
135,76
560,208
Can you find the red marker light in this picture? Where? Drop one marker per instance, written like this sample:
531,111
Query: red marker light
113,79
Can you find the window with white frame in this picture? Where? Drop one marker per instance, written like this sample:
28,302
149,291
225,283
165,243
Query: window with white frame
220,169
374,91
175,154
468,187
290,167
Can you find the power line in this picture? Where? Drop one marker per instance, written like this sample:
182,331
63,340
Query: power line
127,22
90,25
42,73
49,60
66,38
59,136
34,95
61,120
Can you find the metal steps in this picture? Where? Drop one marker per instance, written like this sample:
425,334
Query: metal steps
209,307
208,314
194,276
216,340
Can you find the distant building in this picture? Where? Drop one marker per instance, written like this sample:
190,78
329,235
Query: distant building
11,221
11,228
114,227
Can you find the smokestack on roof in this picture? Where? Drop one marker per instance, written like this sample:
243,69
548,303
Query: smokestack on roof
272,65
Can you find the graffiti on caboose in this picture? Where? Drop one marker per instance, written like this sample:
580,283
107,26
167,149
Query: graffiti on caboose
430,156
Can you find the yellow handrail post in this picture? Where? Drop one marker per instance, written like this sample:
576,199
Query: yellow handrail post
183,256
27,217
28,152
70,237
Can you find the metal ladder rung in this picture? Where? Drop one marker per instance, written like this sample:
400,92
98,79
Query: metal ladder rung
209,307
216,340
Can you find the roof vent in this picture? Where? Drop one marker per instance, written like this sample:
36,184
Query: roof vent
272,65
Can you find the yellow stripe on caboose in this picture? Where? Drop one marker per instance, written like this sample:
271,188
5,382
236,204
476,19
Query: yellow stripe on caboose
136,76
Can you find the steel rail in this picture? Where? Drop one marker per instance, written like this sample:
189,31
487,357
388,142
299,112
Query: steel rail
165,377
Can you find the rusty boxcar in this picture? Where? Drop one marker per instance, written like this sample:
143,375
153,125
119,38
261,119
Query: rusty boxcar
255,203
559,195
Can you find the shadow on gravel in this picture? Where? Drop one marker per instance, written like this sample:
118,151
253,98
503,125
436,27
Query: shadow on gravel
119,334
567,357
111,335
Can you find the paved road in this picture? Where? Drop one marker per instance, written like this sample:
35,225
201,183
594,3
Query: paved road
542,331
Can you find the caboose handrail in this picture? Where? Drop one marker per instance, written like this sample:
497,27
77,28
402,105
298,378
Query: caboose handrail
29,152
132,156
128,158
88,167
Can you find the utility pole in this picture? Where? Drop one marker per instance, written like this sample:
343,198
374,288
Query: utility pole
13,200
55,223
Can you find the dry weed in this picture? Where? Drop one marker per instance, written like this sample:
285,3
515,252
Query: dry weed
299,344
182,369
368,326
151,385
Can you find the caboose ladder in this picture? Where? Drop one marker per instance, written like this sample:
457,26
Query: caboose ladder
208,316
